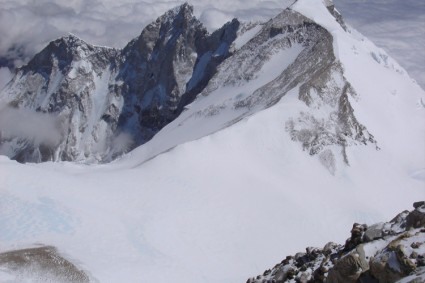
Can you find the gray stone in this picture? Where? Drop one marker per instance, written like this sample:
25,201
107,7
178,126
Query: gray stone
393,263
42,264
330,248
374,232
415,219
418,204
393,258
349,268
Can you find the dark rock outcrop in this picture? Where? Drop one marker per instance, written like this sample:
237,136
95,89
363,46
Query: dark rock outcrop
166,67
107,101
41,264
387,253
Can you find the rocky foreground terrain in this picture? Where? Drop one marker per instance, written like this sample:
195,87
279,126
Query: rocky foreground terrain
381,253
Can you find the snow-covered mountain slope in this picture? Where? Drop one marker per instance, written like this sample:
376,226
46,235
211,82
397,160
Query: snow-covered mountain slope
333,104
273,155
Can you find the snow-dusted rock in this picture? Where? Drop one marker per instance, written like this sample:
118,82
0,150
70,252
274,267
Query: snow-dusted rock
66,83
105,101
388,258
166,67
176,83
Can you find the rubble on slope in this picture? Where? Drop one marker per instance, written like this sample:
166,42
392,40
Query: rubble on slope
381,253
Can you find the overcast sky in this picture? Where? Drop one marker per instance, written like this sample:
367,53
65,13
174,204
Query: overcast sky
26,26
398,26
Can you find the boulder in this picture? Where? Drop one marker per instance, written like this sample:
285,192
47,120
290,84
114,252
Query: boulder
374,232
391,264
349,268
416,219
381,253
418,204
356,236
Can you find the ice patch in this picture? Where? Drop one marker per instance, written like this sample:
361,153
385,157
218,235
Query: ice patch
20,219
198,73
418,174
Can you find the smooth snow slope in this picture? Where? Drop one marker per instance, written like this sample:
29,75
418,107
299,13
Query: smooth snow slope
221,205
213,210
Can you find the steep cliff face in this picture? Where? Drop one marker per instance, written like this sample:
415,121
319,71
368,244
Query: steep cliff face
70,80
103,102
290,55
166,67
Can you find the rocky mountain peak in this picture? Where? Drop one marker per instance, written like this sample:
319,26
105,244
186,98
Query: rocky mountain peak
166,29
168,65
185,10
179,18
101,93
70,44
71,40
289,17
63,51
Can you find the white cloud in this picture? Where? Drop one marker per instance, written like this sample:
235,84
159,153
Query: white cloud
214,18
5,77
41,128
26,26
31,24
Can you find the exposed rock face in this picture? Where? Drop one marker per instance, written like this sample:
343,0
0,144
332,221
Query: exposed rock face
393,263
416,219
316,73
66,79
106,101
331,8
382,253
42,264
166,67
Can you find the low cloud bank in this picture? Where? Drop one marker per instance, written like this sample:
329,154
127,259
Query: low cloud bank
41,128
5,77
27,26
396,26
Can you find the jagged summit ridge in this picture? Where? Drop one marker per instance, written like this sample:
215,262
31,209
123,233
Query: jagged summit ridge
167,66
98,94
109,101
308,65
